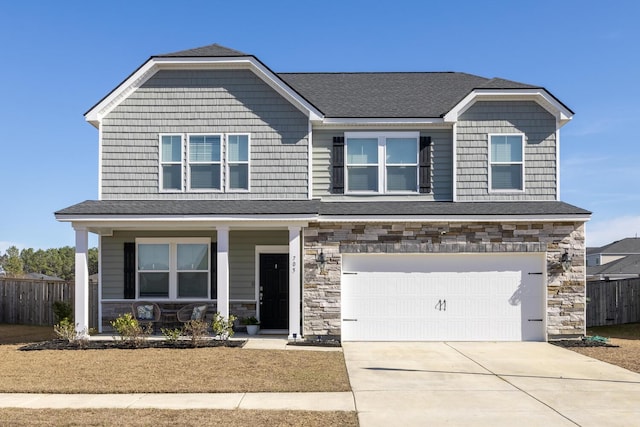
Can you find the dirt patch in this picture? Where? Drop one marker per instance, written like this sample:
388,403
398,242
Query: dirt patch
620,352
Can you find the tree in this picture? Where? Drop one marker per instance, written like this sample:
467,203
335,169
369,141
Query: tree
14,265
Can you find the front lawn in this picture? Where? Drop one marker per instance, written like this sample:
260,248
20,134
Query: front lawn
150,370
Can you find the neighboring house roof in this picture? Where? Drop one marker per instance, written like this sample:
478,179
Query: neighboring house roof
629,245
627,266
40,276
91,208
380,95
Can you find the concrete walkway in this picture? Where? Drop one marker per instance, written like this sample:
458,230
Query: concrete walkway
488,384
294,401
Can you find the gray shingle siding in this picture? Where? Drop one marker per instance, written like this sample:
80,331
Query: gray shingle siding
442,160
233,101
487,117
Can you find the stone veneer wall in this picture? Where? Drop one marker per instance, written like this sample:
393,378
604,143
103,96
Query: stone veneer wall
565,290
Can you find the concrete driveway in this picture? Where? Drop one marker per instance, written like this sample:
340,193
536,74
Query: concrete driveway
487,384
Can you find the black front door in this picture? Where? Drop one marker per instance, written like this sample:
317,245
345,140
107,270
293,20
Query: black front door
274,291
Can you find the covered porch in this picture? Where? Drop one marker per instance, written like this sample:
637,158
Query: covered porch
242,265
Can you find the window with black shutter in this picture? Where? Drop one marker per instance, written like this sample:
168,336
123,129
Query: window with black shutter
425,164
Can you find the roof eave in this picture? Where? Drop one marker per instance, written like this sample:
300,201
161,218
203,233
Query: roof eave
540,95
156,63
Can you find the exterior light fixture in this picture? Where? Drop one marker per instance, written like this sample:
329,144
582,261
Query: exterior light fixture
322,261
565,260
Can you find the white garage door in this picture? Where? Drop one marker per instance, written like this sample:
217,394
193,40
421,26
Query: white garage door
461,297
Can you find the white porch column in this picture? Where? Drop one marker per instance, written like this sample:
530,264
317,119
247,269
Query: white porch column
295,265
223,271
82,282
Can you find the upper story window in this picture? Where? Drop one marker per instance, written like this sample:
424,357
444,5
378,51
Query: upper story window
381,162
238,162
171,162
204,167
506,162
173,268
205,172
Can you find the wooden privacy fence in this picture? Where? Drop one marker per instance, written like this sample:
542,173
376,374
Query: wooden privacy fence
30,302
613,303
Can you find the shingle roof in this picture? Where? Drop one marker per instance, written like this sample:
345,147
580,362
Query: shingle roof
312,207
627,265
630,245
191,207
374,95
213,50
398,95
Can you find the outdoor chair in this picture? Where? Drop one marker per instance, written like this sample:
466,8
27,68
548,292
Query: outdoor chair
146,312
190,312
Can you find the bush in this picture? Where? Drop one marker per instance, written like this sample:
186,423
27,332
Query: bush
67,331
62,310
196,330
130,329
171,335
251,320
223,329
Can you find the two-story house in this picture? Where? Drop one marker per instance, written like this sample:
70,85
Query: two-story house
368,206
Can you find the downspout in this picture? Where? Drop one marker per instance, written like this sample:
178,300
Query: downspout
310,161
557,160
99,160
454,168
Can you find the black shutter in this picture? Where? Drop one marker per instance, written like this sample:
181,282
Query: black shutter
337,182
129,270
214,270
425,164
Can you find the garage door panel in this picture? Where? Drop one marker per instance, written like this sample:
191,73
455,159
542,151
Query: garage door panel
441,305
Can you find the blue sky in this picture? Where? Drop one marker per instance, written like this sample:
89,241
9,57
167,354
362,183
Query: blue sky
60,58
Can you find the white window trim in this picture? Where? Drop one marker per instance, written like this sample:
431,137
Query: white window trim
173,268
382,163
161,164
227,182
189,163
490,163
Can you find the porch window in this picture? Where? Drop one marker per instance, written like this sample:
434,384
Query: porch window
173,268
382,162
506,162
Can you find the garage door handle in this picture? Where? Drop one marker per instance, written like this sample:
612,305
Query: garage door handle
349,320
535,320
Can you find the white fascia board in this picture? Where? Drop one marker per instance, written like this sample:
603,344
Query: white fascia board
541,96
153,65
209,220
455,218
379,121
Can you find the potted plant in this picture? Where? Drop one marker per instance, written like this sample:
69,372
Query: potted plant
252,324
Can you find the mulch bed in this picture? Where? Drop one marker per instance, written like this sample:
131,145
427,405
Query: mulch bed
321,342
127,345
584,342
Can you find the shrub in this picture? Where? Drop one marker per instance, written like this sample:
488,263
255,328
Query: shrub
196,330
62,310
171,335
130,329
67,331
223,328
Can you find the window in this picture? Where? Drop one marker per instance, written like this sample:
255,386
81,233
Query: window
205,162
382,162
506,162
203,166
171,162
173,268
238,162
